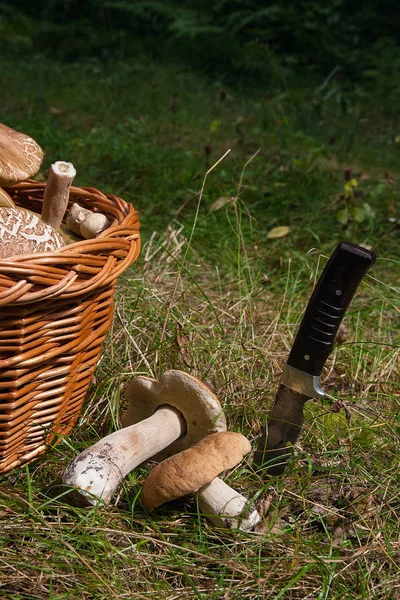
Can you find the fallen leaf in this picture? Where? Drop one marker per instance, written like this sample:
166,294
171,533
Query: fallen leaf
278,232
54,110
221,202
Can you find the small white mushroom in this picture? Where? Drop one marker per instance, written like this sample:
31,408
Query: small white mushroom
195,471
56,192
20,156
85,222
23,232
76,215
163,417
93,225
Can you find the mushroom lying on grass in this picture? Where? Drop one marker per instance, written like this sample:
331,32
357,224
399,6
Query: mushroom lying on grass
196,470
163,417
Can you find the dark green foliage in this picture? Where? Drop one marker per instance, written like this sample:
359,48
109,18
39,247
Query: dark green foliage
252,38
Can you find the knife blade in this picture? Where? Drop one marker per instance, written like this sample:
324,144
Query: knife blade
313,344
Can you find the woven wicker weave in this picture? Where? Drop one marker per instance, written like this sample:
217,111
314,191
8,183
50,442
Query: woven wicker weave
55,311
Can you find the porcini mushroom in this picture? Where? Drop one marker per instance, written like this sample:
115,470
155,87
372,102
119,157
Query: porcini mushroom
20,156
163,417
195,471
85,222
56,192
23,232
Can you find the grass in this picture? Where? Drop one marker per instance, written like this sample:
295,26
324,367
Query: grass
213,296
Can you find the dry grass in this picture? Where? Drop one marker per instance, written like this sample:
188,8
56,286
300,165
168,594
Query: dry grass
331,524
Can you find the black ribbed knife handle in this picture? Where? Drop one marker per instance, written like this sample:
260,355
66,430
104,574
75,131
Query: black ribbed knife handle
327,306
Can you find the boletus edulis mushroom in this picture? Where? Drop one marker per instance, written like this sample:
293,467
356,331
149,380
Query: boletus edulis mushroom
195,471
23,232
163,417
20,156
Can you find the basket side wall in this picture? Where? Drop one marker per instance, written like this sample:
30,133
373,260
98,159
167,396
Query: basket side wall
48,355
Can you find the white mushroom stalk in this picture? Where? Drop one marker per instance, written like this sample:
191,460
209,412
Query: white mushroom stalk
56,192
98,471
226,508
195,472
163,417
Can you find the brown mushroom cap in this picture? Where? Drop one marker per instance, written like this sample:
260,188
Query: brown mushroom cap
20,156
199,406
23,232
187,472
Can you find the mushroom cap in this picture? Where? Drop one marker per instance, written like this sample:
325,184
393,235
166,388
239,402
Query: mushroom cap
198,405
20,156
23,232
187,472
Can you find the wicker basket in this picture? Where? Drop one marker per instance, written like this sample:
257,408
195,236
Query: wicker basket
55,311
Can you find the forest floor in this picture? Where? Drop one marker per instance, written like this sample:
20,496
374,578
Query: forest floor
219,292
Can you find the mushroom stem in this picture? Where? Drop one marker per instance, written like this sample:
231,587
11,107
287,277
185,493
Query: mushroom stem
56,192
226,508
98,471
5,199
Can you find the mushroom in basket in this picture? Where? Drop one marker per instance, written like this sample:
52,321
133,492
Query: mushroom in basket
22,231
20,157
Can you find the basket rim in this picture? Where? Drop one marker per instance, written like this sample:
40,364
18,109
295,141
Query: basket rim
75,268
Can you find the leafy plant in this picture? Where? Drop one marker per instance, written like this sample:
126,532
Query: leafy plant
353,212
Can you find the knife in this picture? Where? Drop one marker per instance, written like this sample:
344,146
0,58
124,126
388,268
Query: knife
314,341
